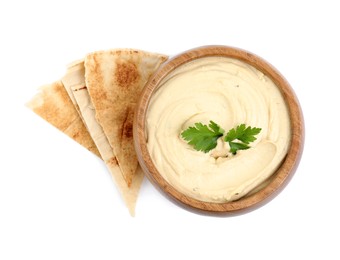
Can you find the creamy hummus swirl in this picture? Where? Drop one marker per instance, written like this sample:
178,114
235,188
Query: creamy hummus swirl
229,92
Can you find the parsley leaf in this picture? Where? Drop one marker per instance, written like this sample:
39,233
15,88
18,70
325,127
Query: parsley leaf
203,137
244,135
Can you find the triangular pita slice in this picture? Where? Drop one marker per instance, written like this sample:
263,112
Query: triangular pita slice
81,96
114,80
129,194
53,104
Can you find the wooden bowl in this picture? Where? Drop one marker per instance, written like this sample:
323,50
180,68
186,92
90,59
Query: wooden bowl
277,181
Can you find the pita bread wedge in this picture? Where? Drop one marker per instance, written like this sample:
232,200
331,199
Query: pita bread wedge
75,82
114,80
129,194
53,104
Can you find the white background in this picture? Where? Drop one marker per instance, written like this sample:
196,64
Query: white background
57,200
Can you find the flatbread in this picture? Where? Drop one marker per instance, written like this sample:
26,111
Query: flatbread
82,98
53,104
114,80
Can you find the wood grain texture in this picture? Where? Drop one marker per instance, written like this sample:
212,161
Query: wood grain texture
279,179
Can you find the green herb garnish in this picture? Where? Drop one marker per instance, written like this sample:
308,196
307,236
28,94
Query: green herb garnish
204,138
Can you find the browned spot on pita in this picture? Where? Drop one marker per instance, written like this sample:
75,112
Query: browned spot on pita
113,161
126,74
126,132
82,88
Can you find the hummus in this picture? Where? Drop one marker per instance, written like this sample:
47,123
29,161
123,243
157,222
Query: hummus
229,92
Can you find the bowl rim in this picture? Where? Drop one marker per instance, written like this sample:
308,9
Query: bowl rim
281,176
